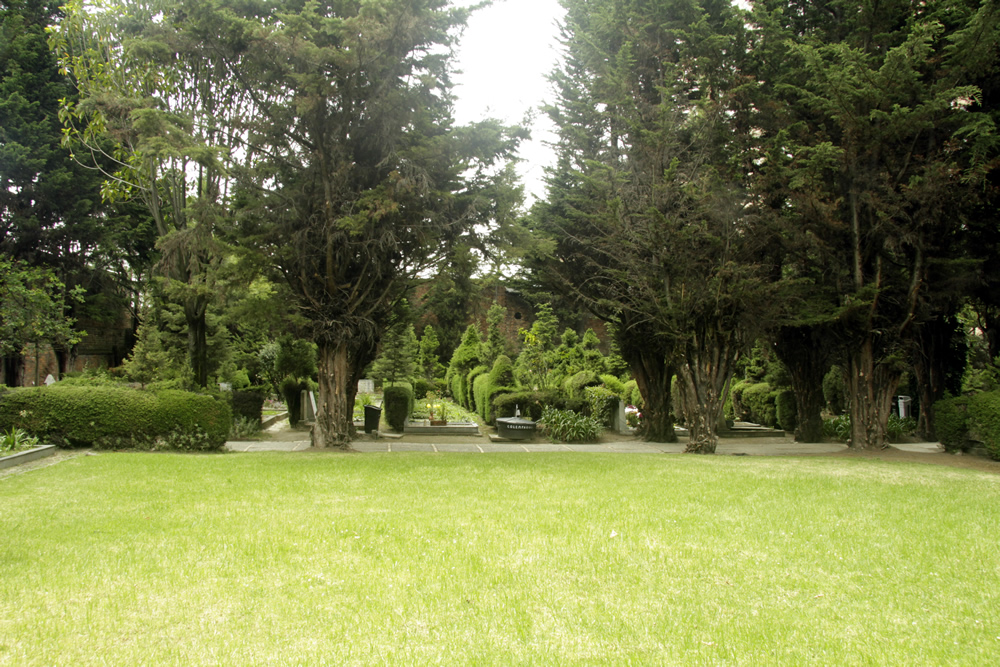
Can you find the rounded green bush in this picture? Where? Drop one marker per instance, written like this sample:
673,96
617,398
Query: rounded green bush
397,402
786,411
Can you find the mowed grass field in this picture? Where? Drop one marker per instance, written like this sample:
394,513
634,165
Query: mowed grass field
523,559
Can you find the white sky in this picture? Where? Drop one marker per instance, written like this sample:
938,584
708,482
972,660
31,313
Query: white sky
505,54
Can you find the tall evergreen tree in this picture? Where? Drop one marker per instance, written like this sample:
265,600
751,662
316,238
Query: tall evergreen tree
871,155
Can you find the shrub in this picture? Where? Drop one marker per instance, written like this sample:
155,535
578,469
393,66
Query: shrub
501,379
758,401
421,386
470,387
291,391
575,384
603,404
738,409
15,440
481,391
247,405
569,426
897,427
838,428
397,401
118,417
244,429
984,421
951,423
786,412
614,385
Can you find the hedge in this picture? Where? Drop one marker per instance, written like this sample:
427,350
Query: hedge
248,404
470,387
397,401
758,401
532,403
984,421
118,417
501,379
786,411
951,423
614,384
480,392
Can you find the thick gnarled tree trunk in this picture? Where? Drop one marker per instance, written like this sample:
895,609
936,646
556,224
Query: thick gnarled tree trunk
704,381
334,423
806,352
870,387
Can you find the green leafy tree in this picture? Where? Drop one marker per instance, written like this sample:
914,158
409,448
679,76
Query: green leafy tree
873,153
33,307
429,361
495,343
397,362
534,364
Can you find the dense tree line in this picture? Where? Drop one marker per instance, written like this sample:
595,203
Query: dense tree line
811,173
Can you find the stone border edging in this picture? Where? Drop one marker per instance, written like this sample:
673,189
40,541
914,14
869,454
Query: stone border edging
27,456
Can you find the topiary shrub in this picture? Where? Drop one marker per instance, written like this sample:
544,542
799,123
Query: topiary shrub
575,384
530,403
397,401
481,392
614,385
984,421
786,412
603,404
470,384
569,426
118,417
951,423
247,404
500,380
758,401
291,390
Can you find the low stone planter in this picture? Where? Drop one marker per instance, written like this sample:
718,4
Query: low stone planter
26,456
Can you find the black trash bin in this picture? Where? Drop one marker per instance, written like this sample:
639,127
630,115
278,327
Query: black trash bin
373,414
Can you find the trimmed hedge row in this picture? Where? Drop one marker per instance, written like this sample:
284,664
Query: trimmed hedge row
961,421
118,417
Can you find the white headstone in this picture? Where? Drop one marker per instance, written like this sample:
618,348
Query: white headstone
366,386
49,380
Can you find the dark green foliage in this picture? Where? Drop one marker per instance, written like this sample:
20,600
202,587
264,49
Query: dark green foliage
603,404
785,410
397,401
247,404
421,386
530,403
951,423
118,417
480,392
833,390
739,410
984,421
291,391
569,426
574,385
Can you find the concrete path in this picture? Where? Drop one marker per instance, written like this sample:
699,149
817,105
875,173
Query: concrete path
280,437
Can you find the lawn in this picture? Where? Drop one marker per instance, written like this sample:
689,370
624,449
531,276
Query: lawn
531,559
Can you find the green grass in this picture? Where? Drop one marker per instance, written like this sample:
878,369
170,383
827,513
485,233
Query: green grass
497,559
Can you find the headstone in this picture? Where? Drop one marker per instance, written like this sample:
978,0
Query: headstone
49,380
620,424
225,386
366,386
308,406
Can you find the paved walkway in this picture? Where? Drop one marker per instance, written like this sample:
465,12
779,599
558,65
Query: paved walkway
282,438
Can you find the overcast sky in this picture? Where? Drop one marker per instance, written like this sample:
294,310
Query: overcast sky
505,54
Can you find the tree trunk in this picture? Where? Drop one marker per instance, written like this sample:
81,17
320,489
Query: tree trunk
13,370
705,381
334,426
870,386
933,351
653,372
